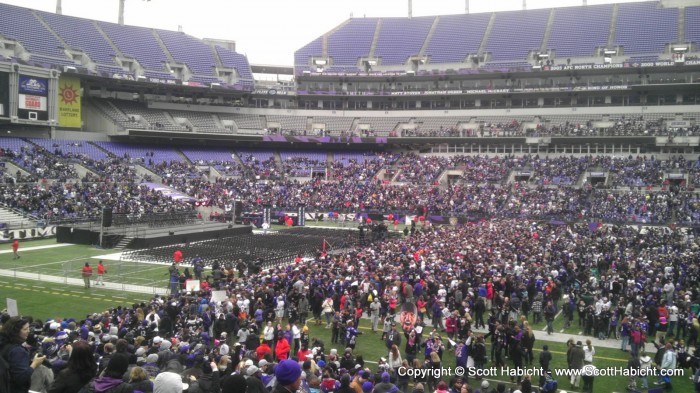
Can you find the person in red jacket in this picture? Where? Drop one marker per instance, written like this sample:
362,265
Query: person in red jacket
282,349
489,294
263,350
101,270
15,248
177,256
451,327
301,354
87,273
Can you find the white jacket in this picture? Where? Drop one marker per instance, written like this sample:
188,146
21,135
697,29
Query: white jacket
588,353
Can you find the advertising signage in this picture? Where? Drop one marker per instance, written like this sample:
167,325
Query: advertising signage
33,86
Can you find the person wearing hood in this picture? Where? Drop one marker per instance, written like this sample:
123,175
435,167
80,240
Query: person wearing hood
111,381
345,387
385,386
282,348
151,365
168,382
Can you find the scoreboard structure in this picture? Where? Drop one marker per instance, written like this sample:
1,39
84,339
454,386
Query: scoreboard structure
4,94
29,95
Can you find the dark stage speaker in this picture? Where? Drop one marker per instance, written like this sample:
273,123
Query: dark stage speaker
107,217
238,208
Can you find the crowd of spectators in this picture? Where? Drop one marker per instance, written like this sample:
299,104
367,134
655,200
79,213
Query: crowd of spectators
427,132
109,170
544,202
302,166
225,168
354,170
635,190
420,169
632,206
559,170
482,169
44,164
636,173
81,200
438,293
263,168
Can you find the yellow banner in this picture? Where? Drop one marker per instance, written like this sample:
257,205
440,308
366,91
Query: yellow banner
69,102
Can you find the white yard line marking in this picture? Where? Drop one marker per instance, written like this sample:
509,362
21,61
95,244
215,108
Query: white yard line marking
23,249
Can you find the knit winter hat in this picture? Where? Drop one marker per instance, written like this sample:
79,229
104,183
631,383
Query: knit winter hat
287,372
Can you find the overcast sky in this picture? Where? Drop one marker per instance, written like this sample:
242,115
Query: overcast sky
269,31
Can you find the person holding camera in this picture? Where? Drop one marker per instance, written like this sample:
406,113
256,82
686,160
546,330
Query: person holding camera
15,332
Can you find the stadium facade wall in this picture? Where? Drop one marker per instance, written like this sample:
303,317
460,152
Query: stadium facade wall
82,135
94,120
515,112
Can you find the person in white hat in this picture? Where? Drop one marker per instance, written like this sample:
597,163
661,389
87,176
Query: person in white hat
168,382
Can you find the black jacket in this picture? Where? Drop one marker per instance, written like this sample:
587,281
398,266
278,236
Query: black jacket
18,360
68,381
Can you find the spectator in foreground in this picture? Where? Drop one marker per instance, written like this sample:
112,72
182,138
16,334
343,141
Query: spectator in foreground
14,334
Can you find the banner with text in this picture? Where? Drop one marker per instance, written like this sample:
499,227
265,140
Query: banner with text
69,109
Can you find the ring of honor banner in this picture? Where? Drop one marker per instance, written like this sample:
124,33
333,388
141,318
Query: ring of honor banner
69,109
301,219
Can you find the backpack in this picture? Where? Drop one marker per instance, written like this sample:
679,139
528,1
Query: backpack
550,386
5,368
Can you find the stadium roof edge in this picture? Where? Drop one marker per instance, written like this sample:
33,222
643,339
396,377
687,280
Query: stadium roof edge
272,69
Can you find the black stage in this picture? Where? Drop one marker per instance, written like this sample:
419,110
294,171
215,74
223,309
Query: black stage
143,236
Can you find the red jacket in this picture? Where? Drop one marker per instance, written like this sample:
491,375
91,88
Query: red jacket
301,355
282,349
263,350
450,324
